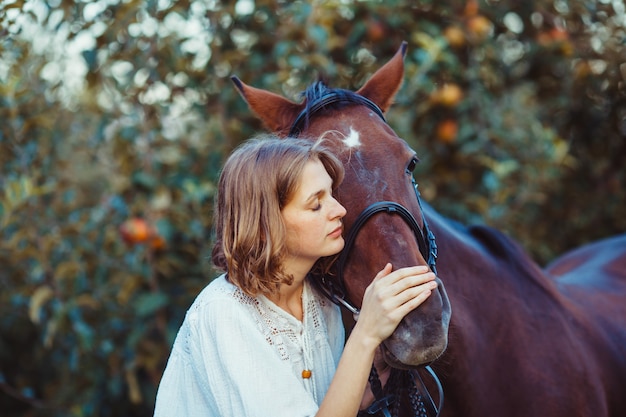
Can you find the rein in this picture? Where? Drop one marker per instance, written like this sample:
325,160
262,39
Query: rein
335,290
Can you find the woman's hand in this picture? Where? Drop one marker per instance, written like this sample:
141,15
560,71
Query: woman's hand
390,297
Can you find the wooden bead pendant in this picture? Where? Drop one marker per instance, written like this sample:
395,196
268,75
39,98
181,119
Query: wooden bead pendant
306,373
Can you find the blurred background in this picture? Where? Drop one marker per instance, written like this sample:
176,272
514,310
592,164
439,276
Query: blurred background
115,116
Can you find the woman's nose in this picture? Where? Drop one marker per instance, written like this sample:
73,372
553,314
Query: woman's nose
339,210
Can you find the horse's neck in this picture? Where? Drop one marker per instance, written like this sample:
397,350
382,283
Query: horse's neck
481,252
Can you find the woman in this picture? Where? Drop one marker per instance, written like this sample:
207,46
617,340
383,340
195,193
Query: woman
258,340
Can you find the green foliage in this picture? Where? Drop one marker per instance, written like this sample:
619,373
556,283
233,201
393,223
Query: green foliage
116,116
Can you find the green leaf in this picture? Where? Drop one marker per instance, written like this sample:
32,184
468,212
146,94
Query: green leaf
147,304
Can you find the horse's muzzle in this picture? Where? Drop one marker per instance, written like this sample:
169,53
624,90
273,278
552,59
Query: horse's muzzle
422,336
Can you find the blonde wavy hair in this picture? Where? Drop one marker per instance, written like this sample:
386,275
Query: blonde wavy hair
257,181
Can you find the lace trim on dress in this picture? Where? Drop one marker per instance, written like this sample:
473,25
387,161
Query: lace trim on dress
279,328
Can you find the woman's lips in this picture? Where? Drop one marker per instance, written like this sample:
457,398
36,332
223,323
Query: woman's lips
337,232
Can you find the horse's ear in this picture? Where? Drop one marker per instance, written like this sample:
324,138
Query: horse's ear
383,85
276,112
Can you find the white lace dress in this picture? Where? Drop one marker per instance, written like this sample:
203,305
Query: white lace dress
237,356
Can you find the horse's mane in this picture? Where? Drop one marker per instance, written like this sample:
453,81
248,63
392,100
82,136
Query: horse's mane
498,244
491,240
320,89
510,254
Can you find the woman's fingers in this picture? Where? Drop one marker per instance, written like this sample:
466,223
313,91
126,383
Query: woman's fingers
389,284
412,281
392,295
413,297
383,272
412,271
400,304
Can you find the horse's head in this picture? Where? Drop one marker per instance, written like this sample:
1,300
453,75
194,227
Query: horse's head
379,169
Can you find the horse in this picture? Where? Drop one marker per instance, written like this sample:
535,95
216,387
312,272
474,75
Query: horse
505,336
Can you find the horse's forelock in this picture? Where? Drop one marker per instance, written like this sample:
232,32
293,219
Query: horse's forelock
315,91
318,90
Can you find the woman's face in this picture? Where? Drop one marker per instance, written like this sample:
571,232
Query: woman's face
313,220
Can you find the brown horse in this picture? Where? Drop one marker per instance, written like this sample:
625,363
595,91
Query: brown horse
522,341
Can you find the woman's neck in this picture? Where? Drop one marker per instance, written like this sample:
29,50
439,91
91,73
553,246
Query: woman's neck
289,298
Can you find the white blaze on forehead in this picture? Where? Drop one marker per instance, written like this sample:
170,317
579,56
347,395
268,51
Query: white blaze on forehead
352,140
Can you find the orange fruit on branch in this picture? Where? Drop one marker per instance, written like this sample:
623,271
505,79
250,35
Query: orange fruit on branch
448,95
136,231
447,131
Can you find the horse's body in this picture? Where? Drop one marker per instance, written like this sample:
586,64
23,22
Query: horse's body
522,341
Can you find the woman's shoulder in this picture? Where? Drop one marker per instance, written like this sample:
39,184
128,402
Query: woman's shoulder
217,288
220,294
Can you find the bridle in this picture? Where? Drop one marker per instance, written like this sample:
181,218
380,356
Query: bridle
335,289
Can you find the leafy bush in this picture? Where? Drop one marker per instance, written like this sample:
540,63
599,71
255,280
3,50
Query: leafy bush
117,116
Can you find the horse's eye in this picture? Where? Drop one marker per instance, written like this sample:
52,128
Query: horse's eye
411,166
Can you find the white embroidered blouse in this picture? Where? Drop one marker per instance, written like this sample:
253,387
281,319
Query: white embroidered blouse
237,356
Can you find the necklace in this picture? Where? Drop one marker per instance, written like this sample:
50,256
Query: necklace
306,373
